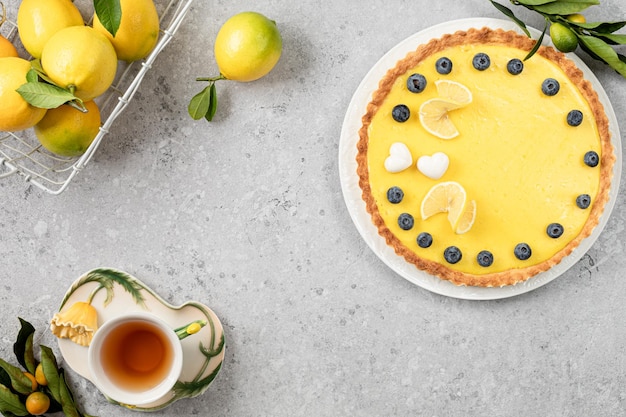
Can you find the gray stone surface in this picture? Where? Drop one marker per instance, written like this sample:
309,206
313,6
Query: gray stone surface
246,215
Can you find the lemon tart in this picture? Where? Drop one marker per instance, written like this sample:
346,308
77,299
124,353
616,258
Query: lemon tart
480,167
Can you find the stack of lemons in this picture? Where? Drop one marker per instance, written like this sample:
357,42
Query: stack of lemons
80,60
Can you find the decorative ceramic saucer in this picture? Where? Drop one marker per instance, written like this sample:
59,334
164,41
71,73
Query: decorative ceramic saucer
117,293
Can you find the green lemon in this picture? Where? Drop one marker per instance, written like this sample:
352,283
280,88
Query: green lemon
247,46
563,38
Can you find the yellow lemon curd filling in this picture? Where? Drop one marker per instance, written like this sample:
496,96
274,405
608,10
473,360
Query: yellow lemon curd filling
515,155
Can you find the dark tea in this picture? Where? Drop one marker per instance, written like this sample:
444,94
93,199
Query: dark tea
136,356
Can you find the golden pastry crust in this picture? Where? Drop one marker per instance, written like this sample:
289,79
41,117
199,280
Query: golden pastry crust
495,37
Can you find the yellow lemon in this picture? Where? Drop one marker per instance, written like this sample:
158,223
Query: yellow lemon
445,197
576,18
138,32
80,59
466,219
40,377
453,91
67,131
15,113
33,381
7,48
247,46
37,403
38,20
433,114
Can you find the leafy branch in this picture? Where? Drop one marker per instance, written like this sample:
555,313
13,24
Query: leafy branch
597,39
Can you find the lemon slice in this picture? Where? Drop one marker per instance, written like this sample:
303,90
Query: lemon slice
433,115
466,220
445,197
454,91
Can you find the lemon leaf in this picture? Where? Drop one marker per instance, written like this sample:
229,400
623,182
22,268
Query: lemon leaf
23,346
535,2
565,7
604,52
19,381
200,103
44,95
509,13
51,371
537,44
10,402
109,13
212,103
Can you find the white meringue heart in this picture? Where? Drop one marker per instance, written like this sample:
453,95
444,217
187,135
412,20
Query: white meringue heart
433,166
399,158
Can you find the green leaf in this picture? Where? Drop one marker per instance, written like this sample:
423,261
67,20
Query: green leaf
534,2
32,76
19,382
109,13
67,401
537,44
23,346
10,402
565,7
200,104
212,103
51,372
193,388
604,52
600,27
46,96
613,39
509,13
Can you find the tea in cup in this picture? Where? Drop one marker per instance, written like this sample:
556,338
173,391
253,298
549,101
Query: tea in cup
135,359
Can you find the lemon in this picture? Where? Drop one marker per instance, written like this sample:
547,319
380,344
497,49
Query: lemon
466,219
38,20
138,32
445,197
80,59
40,377
576,18
433,114
33,381
37,403
67,131
453,91
15,113
563,38
247,46
7,48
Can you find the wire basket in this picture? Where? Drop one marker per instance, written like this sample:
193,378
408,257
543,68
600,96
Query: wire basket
22,154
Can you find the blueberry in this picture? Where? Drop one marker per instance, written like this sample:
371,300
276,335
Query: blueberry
484,258
554,230
452,254
583,201
522,251
443,65
400,113
550,87
515,66
416,83
574,118
395,195
591,159
481,61
405,221
424,240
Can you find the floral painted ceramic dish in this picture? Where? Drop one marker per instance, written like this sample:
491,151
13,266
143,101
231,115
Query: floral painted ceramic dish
112,292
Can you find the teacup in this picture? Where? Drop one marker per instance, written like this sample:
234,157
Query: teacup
135,359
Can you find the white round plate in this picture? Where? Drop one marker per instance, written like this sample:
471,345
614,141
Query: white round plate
352,191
